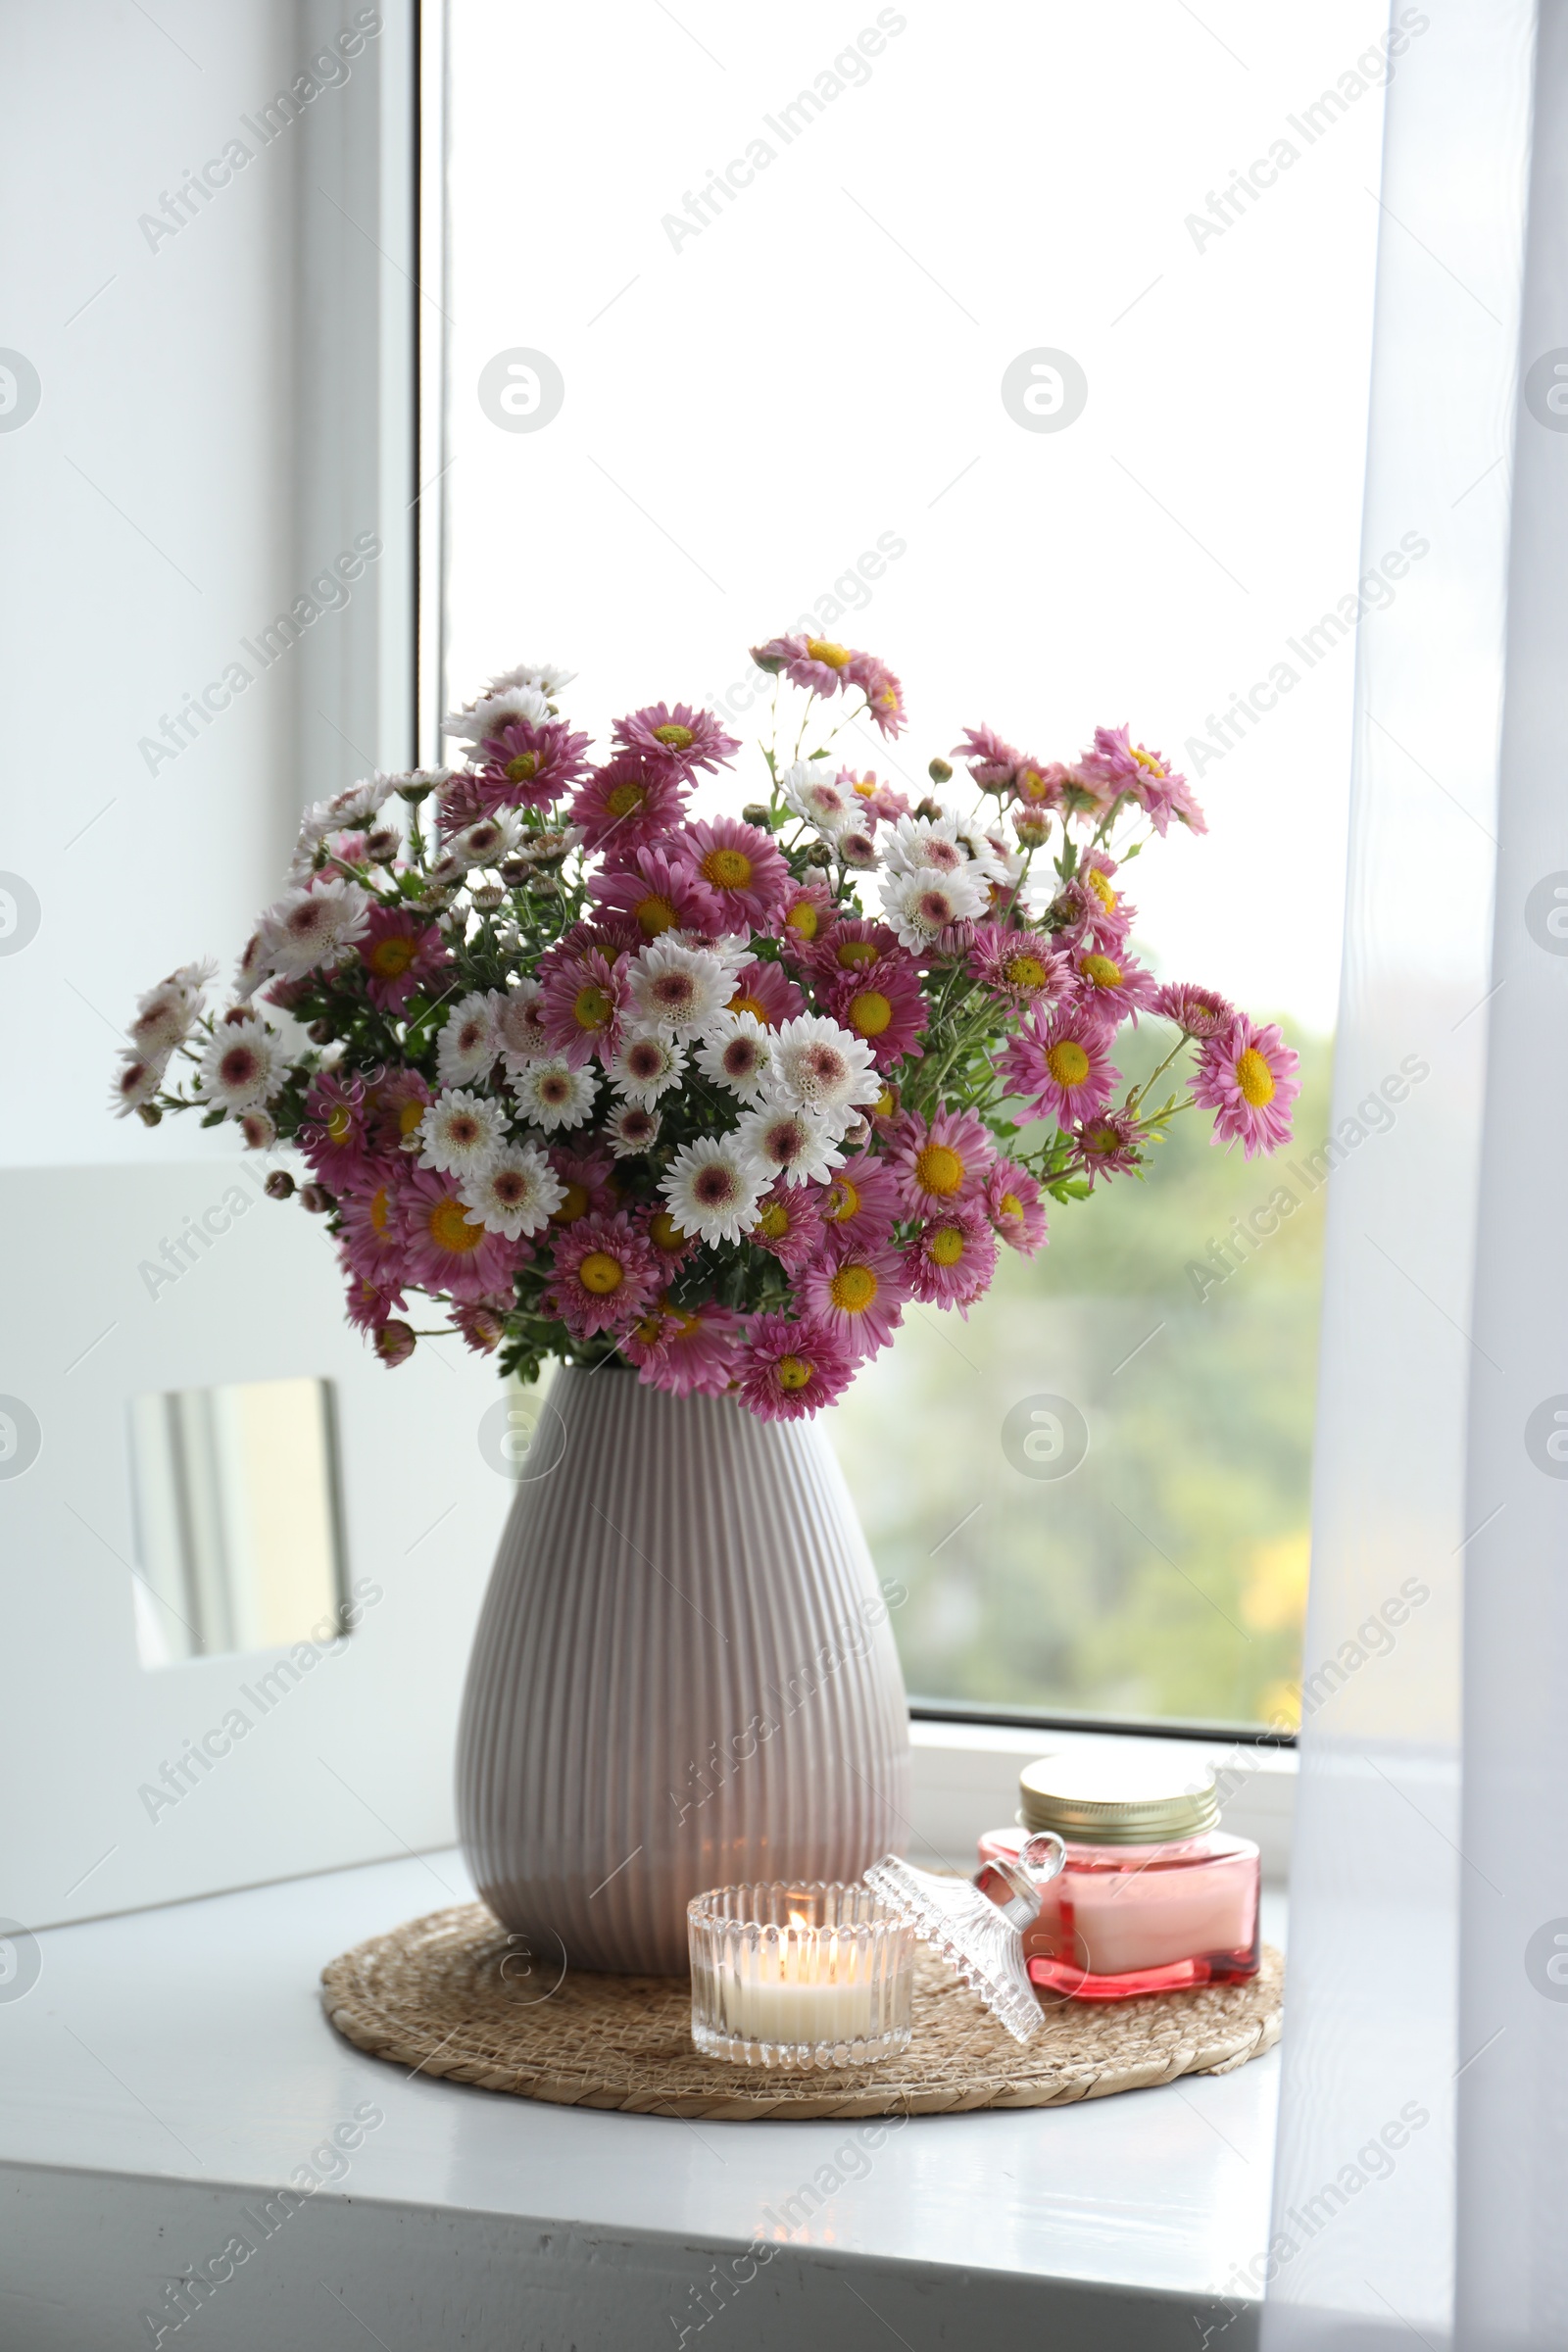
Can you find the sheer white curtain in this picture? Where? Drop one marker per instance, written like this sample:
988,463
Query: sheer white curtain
1426,2033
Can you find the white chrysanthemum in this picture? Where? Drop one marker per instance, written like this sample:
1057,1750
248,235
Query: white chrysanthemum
677,988
713,1188
737,1052
165,1015
647,1066
811,792
780,1139
819,1066
496,710
517,1194
925,845
461,1132
984,853
345,812
244,1065
136,1081
469,1044
518,1033
633,1129
485,841
306,928
921,907
550,1094
858,848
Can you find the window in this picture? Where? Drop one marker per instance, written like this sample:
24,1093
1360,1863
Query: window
778,355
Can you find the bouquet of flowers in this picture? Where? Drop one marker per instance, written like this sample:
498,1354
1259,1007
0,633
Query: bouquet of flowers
718,1096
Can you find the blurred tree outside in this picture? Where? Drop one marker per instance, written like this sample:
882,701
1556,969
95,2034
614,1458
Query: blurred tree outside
1164,1574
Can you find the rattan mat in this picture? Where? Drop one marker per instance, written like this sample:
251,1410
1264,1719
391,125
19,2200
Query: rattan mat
453,1995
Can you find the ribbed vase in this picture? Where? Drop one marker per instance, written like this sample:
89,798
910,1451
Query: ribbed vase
683,1678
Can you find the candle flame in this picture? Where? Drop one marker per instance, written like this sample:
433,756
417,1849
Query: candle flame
798,1919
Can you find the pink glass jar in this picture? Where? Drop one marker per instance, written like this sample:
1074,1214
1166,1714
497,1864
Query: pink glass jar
1152,1898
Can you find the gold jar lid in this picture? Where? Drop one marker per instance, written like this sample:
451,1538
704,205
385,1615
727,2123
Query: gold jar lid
1106,1795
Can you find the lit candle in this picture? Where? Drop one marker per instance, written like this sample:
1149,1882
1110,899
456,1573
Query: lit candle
797,1976
809,1985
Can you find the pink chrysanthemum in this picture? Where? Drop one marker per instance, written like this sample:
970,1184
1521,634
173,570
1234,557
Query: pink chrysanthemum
1014,1207
671,1246
884,1005
991,762
816,665
762,990
448,1251
396,1104
660,894
628,804
740,865
604,1274
1248,1079
582,999
883,692
1058,1063
877,800
335,1135
1039,786
681,740
1197,1011
399,953
368,1303
789,1225
395,1343
686,1355
941,1163
804,914
791,1369
483,1325
851,945
1119,766
1115,988
1087,913
590,1180
952,1260
1108,1143
861,1203
859,1292
524,766
372,1239
1022,966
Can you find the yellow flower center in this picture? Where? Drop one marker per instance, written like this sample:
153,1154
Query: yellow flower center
939,1169
1101,970
675,738
774,1221
623,800
1011,1205
1102,889
1146,760
801,917
886,1103
390,958
822,649
380,1204
1068,1062
591,1008
523,768
1025,971
449,1228
946,1246
1255,1078
340,1125
871,1012
866,786
655,914
853,1289
408,1117
574,1207
727,869
665,1234
753,1005
856,953
844,1202
793,1372
601,1273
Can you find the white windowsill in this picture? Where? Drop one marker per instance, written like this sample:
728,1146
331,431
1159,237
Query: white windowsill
172,2066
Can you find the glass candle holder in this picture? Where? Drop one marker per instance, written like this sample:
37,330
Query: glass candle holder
1151,1897
799,1977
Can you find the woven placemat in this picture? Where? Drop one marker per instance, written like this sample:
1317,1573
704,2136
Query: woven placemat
452,1995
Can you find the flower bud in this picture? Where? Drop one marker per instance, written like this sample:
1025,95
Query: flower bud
414,793
940,772
488,899
280,1185
394,1344
757,814
317,1198
820,852
516,872
149,1114
260,1130
930,808
320,1033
